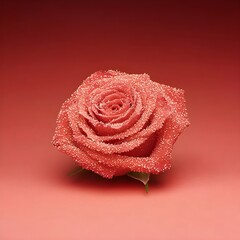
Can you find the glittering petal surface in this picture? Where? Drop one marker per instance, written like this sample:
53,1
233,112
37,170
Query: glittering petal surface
116,123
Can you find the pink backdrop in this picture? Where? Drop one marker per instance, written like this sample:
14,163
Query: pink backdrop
48,48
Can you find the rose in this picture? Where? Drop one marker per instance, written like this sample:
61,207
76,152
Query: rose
116,123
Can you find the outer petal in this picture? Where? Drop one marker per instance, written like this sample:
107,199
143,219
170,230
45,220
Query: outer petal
129,163
63,140
176,99
174,125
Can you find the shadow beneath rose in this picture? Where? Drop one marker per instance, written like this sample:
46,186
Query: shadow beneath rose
89,180
184,169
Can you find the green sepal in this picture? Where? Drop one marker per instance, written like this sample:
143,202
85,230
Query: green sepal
75,171
142,177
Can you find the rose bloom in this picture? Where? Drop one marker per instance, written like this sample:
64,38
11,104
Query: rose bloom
116,123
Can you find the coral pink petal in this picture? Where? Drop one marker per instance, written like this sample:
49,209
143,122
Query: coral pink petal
64,142
137,164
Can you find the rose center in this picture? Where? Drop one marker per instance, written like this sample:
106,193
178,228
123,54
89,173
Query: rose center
115,107
112,105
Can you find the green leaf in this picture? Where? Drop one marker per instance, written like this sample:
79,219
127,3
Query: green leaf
146,187
75,171
142,177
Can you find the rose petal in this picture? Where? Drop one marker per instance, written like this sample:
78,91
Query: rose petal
64,142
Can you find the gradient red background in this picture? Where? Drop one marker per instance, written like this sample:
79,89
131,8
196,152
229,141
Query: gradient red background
48,48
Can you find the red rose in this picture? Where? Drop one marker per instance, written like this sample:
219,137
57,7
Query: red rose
116,123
